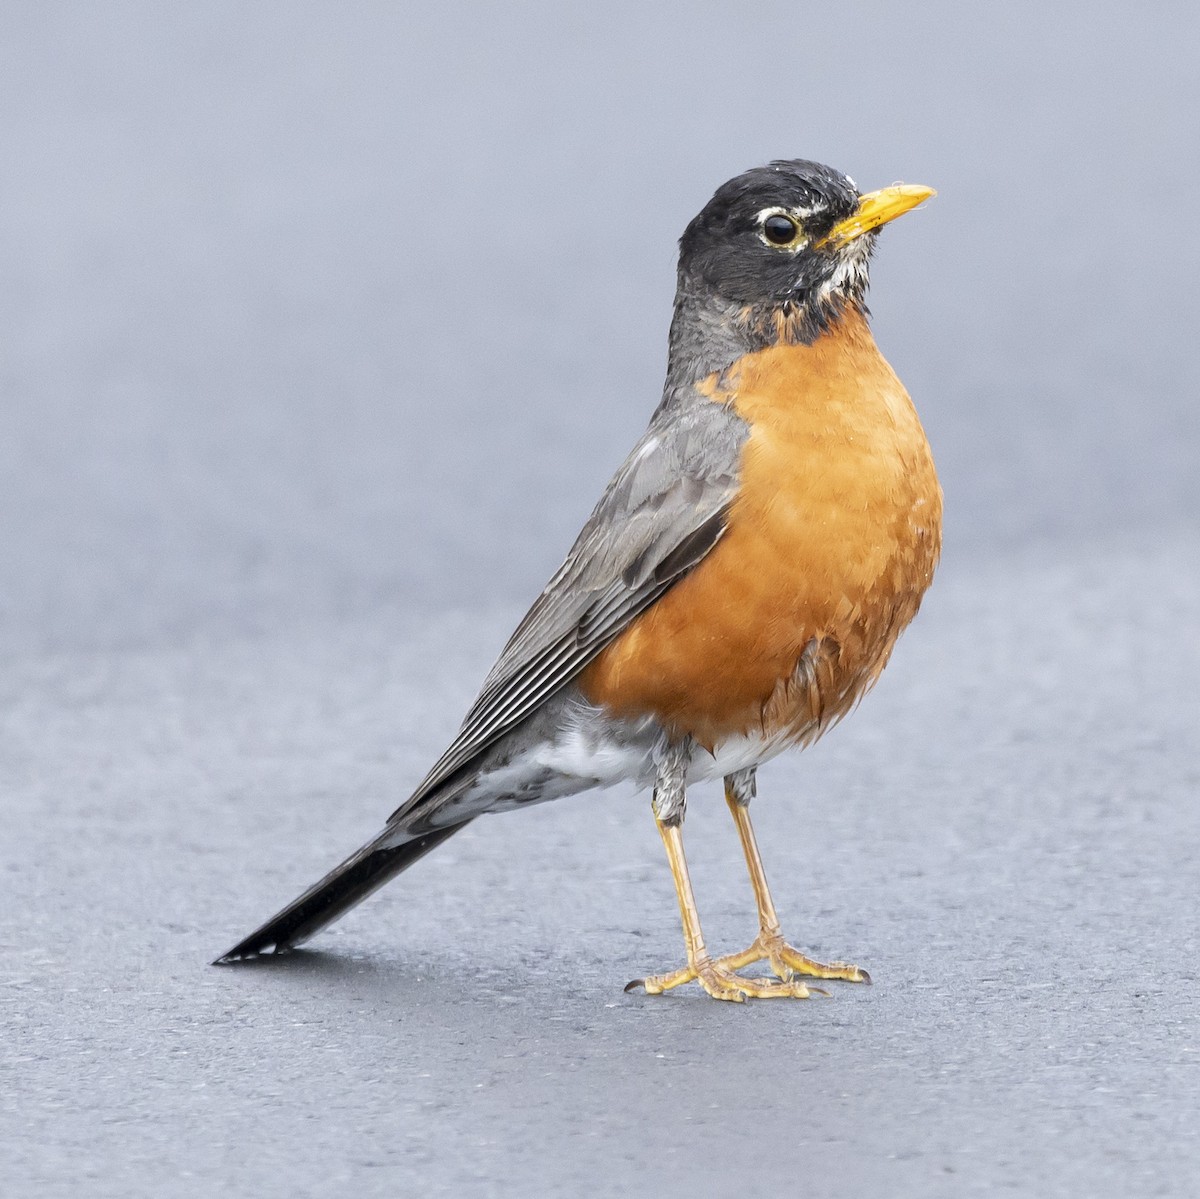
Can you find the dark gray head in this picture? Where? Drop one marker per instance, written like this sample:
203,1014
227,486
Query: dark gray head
794,235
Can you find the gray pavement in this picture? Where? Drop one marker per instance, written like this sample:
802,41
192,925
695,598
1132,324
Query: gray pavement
323,327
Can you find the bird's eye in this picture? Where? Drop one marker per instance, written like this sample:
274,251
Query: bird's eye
780,230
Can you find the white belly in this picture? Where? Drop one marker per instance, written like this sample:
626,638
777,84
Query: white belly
584,749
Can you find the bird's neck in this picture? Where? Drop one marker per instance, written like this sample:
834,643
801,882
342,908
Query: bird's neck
710,333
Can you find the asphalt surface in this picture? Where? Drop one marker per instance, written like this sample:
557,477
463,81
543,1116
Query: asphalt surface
322,330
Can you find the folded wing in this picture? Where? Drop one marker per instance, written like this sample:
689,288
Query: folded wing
665,508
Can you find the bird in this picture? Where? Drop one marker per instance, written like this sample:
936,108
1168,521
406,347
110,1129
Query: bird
739,586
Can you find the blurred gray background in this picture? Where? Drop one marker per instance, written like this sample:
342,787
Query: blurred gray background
321,328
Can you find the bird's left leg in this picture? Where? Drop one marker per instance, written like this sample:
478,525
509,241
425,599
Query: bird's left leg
769,945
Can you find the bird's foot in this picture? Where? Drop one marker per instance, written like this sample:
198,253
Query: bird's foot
788,962
722,982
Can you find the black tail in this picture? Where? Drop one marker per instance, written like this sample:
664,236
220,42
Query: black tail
358,876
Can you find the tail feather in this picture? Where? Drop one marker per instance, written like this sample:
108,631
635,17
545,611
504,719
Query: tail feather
364,872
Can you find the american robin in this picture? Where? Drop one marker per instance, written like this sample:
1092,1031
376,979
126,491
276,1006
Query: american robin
740,584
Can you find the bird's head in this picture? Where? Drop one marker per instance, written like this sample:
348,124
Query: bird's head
794,235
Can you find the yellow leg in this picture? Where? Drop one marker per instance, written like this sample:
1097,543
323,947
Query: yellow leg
769,945
717,978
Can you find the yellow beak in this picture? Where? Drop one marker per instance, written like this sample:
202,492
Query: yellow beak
877,208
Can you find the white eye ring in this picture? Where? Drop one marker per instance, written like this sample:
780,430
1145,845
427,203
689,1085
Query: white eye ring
784,219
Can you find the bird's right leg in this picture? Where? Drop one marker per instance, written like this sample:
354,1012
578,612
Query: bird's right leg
719,981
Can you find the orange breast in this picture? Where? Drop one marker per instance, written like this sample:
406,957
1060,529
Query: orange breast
831,543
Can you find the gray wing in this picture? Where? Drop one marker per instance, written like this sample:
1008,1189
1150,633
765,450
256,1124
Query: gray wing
665,508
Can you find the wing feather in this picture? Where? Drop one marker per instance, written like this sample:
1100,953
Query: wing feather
663,511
